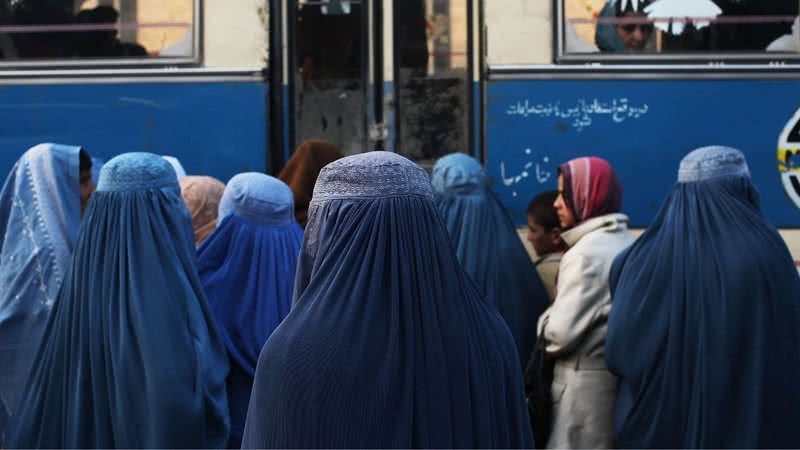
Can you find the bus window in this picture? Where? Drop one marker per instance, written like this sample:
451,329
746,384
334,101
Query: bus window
32,30
679,27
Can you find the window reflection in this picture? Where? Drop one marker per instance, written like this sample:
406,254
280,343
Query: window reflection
329,77
432,78
73,29
680,26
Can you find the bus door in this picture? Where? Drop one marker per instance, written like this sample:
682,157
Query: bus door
384,75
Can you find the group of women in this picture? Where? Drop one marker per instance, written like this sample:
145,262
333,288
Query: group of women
361,302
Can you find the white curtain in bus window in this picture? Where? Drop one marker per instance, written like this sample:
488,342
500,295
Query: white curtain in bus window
680,26
96,29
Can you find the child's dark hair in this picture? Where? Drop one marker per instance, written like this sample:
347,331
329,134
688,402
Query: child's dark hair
542,210
86,161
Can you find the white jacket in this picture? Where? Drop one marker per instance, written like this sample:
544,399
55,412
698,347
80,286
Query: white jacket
575,328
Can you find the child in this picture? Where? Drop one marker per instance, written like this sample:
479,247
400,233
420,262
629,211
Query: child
544,233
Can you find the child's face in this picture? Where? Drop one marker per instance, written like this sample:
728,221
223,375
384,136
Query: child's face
542,240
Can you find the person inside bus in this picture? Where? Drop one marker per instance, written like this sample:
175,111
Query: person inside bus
302,170
544,234
630,33
202,196
8,49
103,43
574,327
247,267
388,344
497,262
705,329
131,357
41,204
771,19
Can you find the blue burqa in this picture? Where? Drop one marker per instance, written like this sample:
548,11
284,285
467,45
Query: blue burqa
388,344
131,357
40,214
247,267
704,331
97,165
488,247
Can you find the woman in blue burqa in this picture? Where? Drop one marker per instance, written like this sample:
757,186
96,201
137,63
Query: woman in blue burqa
388,344
247,267
704,331
131,357
489,248
40,213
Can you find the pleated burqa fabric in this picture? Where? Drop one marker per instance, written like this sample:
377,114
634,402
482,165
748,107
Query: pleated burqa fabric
40,214
247,267
704,331
131,357
388,344
488,247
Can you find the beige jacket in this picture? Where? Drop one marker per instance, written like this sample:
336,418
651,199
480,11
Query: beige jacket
547,266
575,328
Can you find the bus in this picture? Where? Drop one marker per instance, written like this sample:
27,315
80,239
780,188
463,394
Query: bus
228,86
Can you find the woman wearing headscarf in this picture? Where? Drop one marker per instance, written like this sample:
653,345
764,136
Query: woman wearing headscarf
705,329
247,267
202,196
388,344
488,247
302,170
605,34
40,213
131,357
574,327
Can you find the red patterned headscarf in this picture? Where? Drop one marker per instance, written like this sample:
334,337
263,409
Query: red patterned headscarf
591,188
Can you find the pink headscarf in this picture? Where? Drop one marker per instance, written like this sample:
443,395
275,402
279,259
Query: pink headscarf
591,188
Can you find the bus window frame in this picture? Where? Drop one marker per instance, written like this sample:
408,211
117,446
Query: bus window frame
128,63
561,57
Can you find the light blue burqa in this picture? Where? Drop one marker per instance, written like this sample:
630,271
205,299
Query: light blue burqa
488,247
247,267
39,219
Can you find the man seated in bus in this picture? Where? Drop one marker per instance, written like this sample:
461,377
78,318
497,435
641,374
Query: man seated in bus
104,42
630,32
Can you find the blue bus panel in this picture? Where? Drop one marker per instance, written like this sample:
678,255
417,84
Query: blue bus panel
213,128
644,128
